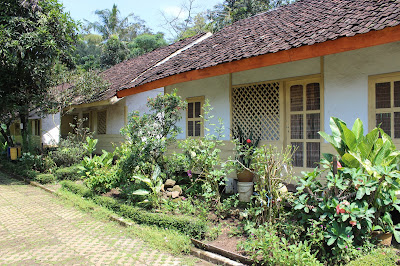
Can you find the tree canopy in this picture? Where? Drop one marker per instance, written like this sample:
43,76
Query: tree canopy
111,23
34,37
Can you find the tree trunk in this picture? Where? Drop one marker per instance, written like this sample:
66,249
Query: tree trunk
25,130
7,135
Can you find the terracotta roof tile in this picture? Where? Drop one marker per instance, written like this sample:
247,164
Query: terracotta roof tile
305,22
126,71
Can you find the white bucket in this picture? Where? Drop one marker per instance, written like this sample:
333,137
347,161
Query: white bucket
245,190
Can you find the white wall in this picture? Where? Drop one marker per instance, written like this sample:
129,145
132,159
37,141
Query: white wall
51,129
346,80
115,117
139,101
282,71
216,90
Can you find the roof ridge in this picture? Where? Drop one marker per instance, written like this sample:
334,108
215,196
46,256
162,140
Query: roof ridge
205,36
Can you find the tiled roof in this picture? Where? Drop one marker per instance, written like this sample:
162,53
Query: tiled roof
305,22
126,71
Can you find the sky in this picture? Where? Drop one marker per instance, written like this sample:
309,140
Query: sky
148,10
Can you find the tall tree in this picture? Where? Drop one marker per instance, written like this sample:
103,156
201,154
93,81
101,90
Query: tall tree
145,43
111,23
231,11
34,36
114,51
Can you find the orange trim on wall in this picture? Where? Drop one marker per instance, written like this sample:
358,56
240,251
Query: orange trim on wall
373,38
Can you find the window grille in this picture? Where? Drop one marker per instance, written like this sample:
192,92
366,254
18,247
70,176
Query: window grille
102,122
387,105
193,117
256,108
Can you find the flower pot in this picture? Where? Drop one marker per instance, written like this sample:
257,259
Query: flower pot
384,239
245,176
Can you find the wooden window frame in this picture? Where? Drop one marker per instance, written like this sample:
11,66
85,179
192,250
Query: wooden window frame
200,99
97,122
372,110
304,81
36,127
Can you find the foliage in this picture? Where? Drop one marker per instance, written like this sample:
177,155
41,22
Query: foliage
153,190
88,51
45,178
74,87
203,157
381,256
266,247
374,149
148,136
75,147
67,173
356,198
146,43
112,24
34,37
187,225
272,168
231,11
113,52
98,172
245,146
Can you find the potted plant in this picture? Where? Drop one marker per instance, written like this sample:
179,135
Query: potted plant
245,147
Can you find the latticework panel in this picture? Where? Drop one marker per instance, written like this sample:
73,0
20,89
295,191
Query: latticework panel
256,108
102,122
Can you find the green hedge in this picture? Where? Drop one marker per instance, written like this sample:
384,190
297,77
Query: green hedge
45,178
68,173
185,224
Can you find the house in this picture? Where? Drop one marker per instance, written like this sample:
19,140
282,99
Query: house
105,114
285,72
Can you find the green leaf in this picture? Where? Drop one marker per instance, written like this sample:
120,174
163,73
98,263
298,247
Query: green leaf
358,130
140,192
331,241
360,193
396,235
350,160
349,138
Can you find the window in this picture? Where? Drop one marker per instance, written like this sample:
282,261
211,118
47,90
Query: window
86,120
256,109
304,122
384,102
35,127
193,117
102,122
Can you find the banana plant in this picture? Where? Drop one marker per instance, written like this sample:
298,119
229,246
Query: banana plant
355,149
153,184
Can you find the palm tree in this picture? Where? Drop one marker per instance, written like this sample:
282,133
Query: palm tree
112,24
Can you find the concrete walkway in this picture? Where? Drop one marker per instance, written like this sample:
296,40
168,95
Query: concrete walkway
35,229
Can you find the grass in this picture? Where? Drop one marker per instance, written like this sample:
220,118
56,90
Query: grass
381,257
161,239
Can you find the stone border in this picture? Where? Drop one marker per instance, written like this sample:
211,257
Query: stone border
201,254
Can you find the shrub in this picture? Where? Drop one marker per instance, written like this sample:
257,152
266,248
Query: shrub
357,197
45,178
98,172
76,146
382,257
68,173
76,188
148,136
266,247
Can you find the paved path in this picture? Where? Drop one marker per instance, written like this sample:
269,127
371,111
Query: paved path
35,229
